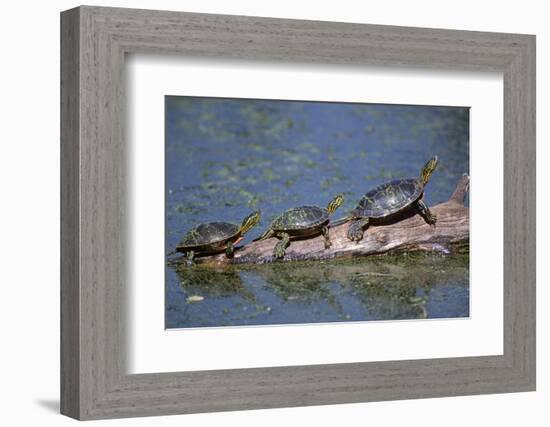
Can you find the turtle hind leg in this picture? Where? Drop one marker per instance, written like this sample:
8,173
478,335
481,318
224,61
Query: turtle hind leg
326,235
190,257
357,228
280,247
429,217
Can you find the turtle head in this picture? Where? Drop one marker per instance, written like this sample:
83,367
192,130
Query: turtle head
427,170
250,221
335,203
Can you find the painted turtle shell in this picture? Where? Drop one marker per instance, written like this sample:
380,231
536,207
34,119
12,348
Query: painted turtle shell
208,236
301,219
389,198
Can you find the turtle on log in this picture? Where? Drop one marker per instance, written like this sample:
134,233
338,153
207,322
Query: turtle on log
303,221
389,200
214,237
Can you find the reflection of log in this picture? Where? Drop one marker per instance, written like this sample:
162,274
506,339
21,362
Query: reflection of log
409,233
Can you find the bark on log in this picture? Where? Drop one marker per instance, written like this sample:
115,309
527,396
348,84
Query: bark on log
407,233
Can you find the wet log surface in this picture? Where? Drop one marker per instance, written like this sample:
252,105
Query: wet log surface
404,234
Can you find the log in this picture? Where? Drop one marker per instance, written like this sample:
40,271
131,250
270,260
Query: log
403,234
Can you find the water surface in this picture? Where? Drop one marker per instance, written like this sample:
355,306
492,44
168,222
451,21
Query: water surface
227,157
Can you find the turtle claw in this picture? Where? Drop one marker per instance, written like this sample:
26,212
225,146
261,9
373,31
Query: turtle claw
356,236
229,250
356,230
190,258
280,247
326,237
431,219
279,251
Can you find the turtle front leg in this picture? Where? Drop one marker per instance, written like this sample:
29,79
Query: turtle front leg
229,250
280,247
356,229
429,217
190,257
326,235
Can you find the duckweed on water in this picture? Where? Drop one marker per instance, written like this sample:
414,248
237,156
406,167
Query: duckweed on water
226,157
393,287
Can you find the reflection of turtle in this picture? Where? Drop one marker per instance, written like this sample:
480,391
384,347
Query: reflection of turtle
215,237
392,198
301,222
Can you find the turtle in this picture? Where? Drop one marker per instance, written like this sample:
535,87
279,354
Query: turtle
303,221
389,200
214,237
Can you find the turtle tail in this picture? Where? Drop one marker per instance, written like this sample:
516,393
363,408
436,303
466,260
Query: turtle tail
267,234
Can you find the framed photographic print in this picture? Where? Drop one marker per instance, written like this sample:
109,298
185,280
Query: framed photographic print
261,213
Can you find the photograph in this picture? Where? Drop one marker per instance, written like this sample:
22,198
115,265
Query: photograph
285,212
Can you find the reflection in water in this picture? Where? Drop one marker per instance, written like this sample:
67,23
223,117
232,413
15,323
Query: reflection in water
213,282
339,290
226,157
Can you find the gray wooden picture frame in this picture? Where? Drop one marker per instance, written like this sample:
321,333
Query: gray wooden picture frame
94,382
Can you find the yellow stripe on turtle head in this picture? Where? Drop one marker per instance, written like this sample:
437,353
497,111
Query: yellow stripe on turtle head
250,221
428,169
335,203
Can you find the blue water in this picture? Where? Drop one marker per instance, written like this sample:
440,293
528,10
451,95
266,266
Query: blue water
227,157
